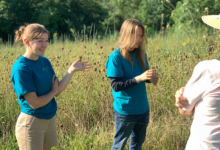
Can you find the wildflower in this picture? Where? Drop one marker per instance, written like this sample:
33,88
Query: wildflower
55,35
72,30
185,5
168,1
206,9
186,42
158,68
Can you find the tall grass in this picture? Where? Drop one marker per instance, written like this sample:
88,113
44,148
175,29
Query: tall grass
85,118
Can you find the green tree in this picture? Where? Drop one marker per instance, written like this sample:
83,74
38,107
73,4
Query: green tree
147,11
58,16
156,14
120,10
15,13
187,15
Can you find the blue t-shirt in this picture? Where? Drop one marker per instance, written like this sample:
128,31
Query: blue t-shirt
33,76
132,100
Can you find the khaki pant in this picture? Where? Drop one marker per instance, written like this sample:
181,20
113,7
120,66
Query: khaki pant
34,134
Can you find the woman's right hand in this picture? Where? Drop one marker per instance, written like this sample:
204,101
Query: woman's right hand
79,66
148,75
55,85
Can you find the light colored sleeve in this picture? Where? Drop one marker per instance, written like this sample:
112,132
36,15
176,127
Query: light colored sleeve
196,86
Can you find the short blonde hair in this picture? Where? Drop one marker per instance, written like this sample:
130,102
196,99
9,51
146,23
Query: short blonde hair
128,38
30,32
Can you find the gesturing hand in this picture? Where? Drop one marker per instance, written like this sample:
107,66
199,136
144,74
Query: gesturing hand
79,66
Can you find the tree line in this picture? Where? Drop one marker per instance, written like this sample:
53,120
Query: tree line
89,17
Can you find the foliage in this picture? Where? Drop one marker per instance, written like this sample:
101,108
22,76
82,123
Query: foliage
187,15
156,14
92,18
85,115
147,11
57,15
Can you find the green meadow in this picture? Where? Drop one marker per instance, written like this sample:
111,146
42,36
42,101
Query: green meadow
85,119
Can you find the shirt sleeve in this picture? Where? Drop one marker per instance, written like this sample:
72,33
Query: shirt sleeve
23,83
114,66
196,86
118,84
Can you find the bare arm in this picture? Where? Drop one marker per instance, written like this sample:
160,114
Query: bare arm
182,102
36,102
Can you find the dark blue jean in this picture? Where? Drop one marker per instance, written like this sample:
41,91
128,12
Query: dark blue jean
134,126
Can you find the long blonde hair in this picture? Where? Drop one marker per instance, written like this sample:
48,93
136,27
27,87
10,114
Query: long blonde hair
30,32
128,38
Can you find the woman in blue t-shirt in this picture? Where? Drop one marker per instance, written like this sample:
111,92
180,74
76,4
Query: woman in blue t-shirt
128,70
36,85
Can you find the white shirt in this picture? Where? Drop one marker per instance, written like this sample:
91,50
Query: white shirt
203,93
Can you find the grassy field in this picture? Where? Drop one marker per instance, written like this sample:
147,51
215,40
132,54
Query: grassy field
85,114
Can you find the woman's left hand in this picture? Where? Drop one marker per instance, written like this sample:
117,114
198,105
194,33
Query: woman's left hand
180,100
79,66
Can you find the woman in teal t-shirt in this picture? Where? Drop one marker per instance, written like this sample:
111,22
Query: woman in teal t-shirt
128,70
36,85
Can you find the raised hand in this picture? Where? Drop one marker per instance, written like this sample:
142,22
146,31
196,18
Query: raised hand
79,66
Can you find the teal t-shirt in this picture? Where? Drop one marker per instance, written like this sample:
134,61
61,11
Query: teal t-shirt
132,100
33,76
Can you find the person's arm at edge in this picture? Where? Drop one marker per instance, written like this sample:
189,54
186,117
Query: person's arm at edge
182,102
183,112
